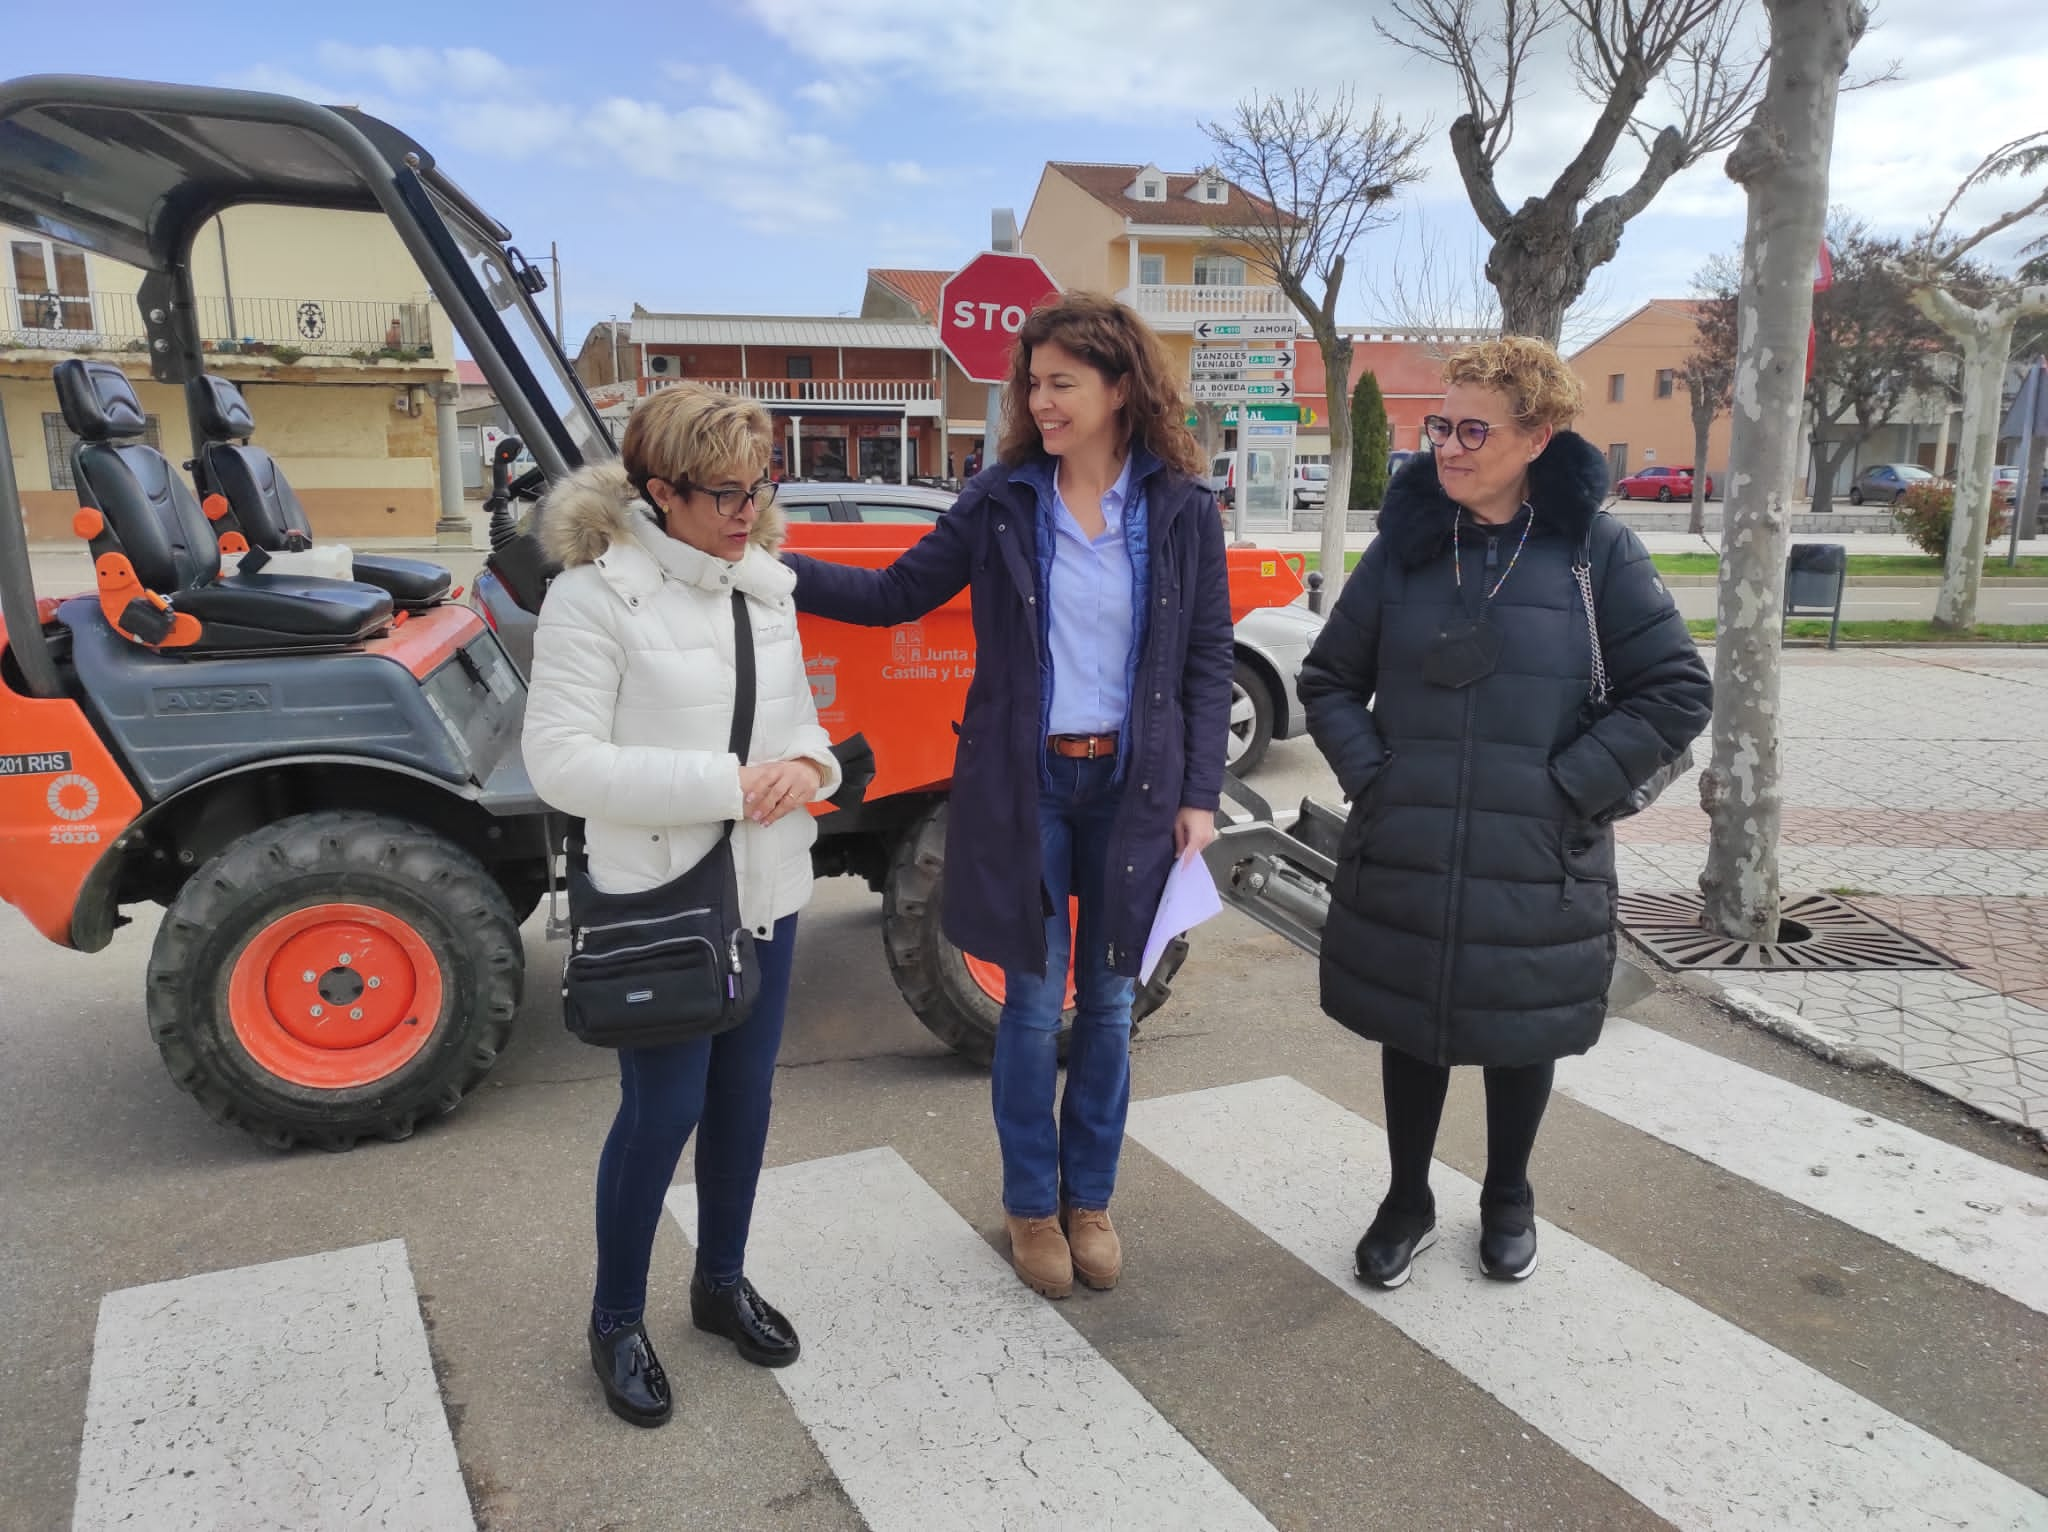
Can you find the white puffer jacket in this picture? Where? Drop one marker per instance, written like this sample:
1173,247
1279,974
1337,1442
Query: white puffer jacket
632,695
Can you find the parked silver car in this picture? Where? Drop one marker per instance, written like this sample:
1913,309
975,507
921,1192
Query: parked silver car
1271,642
1886,483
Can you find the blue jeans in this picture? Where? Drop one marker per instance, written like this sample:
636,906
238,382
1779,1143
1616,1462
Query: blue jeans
1072,1158
724,1083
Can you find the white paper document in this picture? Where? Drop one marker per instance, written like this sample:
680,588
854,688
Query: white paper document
1190,898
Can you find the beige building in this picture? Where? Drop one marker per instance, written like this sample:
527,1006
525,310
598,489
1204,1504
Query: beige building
1637,409
320,316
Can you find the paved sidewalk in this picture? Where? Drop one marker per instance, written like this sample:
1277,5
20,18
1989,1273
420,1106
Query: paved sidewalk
1916,787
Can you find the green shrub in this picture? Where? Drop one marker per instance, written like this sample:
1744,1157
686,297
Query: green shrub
287,354
1368,444
1925,511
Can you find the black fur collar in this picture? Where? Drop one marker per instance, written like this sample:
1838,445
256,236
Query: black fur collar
1567,486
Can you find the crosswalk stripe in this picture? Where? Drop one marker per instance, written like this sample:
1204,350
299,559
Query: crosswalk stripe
1702,1422
1954,1209
296,1394
942,1392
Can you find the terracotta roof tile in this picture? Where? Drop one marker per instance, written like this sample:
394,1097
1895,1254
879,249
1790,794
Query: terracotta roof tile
918,288
1106,184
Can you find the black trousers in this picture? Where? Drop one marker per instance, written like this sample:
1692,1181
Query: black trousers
1414,1094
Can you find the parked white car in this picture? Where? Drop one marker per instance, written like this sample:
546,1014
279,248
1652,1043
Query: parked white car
1311,485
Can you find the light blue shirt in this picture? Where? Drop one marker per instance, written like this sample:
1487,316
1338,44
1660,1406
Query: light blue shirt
1089,615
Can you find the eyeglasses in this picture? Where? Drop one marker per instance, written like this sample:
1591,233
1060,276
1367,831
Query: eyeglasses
1471,434
731,502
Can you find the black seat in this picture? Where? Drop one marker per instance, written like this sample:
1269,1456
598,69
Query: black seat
156,555
262,505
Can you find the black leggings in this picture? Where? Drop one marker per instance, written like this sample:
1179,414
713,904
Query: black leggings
1414,1091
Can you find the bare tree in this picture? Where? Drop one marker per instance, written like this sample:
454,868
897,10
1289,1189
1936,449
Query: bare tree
1619,51
1325,176
1436,286
1981,313
1872,349
1781,162
1709,370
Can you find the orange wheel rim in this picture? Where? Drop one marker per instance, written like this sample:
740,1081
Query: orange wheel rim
335,995
989,976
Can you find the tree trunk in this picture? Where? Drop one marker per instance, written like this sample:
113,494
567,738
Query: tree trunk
1337,499
1984,352
1702,428
1782,165
1827,465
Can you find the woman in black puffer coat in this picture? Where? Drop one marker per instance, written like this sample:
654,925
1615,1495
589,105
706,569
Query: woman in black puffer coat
1472,918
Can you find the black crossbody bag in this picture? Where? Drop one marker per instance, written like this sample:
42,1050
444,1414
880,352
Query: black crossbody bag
1597,704
673,963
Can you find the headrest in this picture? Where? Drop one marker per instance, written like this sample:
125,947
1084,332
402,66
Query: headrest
218,408
98,402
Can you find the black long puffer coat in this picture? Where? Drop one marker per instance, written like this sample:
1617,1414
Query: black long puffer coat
1472,920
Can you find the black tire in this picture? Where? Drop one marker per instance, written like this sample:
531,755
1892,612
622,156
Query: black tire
524,885
411,876
1248,738
1855,496
1622,491
1664,494
931,972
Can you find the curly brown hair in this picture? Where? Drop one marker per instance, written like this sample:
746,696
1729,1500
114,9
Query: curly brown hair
1111,338
1538,384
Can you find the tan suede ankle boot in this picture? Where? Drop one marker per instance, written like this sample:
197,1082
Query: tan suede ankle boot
1039,1252
1097,1253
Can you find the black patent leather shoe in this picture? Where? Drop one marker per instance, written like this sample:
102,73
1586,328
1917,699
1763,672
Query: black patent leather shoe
1507,1238
634,1385
746,1319
1386,1254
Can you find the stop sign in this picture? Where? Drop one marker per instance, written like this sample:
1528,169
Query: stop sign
982,307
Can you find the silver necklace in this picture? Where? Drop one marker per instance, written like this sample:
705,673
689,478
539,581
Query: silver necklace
1457,563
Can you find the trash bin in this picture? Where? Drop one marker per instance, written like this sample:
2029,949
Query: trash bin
1815,575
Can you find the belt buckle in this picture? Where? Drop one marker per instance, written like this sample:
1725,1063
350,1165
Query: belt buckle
1092,742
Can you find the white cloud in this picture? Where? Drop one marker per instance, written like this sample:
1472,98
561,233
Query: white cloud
417,71
833,96
910,173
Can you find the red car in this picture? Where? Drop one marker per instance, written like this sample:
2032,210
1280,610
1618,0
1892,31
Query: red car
1661,483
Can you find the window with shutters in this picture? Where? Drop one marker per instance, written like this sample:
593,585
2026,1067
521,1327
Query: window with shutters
1219,271
51,289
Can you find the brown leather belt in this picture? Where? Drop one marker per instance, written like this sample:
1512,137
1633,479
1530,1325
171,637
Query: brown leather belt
1082,747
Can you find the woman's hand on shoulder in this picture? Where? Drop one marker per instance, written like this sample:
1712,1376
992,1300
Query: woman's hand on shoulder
775,787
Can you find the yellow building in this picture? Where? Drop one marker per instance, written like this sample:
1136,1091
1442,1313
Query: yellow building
320,316
1637,410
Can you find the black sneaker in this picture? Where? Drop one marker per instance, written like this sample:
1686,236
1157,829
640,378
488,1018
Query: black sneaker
746,1319
1507,1235
1387,1252
634,1385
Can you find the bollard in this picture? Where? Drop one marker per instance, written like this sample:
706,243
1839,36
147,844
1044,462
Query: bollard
1315,591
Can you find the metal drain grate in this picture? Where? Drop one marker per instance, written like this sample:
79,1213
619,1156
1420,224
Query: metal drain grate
1838,936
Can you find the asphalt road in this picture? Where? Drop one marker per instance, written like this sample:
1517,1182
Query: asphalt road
1270,1392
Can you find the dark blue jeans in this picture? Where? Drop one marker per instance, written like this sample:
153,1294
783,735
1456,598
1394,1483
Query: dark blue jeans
723,1083
1073,1157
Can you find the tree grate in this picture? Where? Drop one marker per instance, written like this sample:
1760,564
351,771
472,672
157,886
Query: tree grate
1819,930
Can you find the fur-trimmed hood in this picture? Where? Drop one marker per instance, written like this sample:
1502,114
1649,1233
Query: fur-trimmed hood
595,507
1567,487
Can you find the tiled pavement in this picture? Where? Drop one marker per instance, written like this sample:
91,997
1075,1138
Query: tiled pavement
1916,787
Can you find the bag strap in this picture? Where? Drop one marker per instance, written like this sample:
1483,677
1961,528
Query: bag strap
1582,571
744,685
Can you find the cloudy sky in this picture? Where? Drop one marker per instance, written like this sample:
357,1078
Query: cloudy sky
759,155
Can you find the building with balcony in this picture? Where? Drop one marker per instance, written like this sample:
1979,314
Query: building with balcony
851,398
321,317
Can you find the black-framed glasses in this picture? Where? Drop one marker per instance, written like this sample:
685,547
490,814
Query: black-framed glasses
731,502
1471,434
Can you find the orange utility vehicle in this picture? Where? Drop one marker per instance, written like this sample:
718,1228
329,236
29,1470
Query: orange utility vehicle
319,779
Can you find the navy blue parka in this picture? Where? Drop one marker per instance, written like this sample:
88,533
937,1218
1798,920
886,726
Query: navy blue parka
1171,752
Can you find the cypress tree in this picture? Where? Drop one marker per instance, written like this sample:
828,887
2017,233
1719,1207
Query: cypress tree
1368,443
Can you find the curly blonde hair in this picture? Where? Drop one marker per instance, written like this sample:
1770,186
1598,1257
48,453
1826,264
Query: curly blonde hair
1535,379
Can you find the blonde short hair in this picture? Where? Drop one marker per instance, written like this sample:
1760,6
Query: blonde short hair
1542,390
690,433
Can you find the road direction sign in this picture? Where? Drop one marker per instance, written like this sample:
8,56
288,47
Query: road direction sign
1215,359
1209,390
1244,329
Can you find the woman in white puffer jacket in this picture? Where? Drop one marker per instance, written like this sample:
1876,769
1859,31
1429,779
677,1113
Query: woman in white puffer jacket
627,727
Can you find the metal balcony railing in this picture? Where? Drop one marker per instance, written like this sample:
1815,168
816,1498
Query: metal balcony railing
313,326
816,390
1172,301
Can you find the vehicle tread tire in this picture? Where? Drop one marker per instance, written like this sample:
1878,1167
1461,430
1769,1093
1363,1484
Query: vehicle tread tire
1258,687
276,868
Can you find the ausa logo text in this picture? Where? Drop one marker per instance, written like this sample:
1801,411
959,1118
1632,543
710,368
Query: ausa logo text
174,701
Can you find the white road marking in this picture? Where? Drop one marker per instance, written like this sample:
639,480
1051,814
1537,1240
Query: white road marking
1954,1209
942,1391
297,1394
1701,1421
